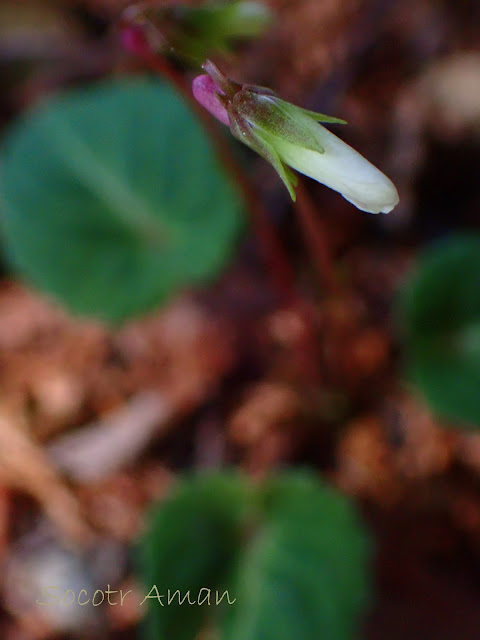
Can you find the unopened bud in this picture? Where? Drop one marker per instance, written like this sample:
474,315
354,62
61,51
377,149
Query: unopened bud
289,136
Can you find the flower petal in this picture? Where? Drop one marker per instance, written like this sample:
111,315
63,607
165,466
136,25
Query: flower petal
205,92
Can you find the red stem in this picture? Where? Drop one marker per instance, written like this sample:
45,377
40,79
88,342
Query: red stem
275,257
315,238
277,262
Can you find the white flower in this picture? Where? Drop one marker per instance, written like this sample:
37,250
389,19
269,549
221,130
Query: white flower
289,136
341,168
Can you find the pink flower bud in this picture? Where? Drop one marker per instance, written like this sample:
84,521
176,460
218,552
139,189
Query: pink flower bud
205,92
134,39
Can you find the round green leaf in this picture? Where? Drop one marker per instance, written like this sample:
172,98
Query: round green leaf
112,199
439,310
304,574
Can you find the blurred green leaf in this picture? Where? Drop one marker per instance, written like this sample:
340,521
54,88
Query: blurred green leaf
113,199
189,545
305,573
292,554
439,311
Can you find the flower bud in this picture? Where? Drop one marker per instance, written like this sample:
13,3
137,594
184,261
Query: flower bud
242,19
194,33
289,136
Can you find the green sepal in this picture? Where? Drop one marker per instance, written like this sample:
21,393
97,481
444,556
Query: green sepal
278,118
321,117
243,131
292,176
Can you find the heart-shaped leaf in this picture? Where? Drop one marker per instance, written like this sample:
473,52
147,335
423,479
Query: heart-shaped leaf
189,545
112,199
439,311
304,574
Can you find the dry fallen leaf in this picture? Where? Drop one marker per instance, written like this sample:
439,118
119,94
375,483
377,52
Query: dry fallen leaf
25,467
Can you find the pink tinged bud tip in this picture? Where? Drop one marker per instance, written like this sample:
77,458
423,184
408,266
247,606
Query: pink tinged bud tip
205,92
134,39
